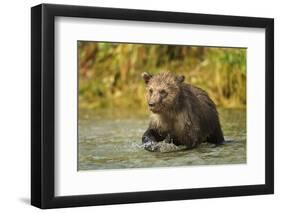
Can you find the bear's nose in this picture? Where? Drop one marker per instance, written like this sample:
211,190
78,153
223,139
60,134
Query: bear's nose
151,104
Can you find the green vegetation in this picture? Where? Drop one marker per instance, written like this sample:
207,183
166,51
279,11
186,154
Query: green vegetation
110,73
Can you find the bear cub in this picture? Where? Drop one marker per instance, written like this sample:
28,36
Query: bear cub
182,114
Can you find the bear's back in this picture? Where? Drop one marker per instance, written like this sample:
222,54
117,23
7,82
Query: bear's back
200,107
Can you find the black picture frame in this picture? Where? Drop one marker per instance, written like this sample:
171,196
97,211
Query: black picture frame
43,102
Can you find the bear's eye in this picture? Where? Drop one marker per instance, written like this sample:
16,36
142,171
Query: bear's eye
150,91
163,93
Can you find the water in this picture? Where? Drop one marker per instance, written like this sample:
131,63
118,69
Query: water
116,143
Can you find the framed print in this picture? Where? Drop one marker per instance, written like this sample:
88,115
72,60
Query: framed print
139,106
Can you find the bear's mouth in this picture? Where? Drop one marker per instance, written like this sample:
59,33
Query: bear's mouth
154,109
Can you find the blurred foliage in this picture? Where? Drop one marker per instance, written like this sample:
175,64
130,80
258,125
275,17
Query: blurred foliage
110,73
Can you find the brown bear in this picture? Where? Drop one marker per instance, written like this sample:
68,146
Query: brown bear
182,114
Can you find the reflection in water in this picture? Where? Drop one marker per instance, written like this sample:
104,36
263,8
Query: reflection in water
116,143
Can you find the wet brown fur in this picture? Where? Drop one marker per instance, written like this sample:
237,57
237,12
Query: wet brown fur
184,115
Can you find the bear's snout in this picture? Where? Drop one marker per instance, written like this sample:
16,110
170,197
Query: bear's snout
154,107
151,104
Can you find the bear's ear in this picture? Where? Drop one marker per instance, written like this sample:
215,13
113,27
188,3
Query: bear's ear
146,77
180,79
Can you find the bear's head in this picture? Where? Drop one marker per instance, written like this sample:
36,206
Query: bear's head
162,91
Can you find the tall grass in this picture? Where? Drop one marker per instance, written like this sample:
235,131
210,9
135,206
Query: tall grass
110,73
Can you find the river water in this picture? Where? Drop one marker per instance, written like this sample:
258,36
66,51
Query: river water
106,143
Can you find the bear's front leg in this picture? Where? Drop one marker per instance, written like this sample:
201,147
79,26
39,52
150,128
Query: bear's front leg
151,138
